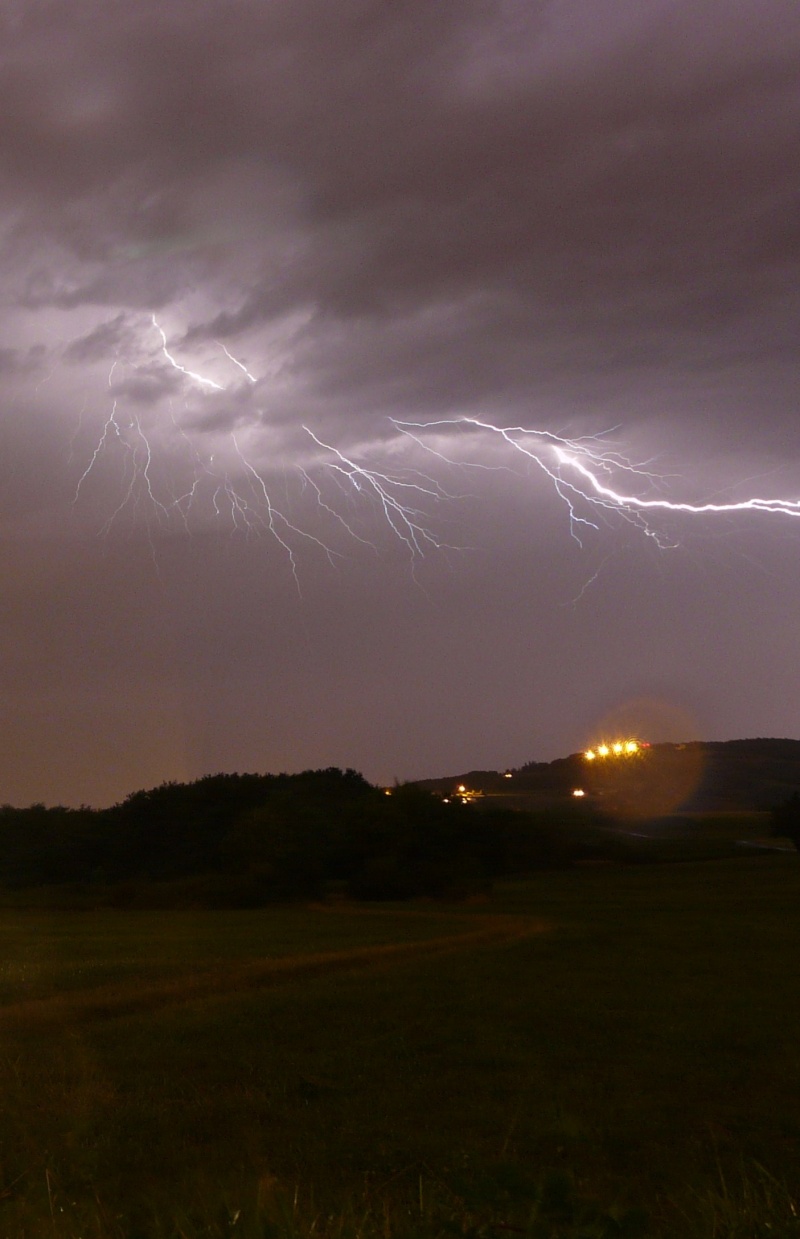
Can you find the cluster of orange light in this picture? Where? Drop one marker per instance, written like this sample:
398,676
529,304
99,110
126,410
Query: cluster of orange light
462,793
620,748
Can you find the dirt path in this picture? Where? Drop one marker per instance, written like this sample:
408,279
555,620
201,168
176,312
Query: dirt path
125,998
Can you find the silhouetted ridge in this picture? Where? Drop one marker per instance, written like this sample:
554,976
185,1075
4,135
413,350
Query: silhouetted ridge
248,839
717,774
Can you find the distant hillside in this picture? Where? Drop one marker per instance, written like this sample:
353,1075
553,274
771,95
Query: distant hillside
699,775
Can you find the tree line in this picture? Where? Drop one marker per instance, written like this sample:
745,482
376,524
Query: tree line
250,839
247,840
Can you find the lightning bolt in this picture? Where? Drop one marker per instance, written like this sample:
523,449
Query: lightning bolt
240,496
541,448
403,516
784,507
581,469
274,515
110,426
247,507
236,362
309,481
192,374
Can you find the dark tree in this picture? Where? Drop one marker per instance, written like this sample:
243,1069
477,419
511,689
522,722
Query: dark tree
786,819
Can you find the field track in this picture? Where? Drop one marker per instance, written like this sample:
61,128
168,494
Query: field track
110,1001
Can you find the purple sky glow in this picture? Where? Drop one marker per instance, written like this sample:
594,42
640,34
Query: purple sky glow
252,250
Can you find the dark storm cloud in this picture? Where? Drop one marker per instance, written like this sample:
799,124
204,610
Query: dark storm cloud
372,165
102,343
147,384
469,204
14,361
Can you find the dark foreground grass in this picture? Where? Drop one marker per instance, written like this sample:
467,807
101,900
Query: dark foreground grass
590,1053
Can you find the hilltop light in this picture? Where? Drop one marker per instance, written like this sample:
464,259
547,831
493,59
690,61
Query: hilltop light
579,792
465,794
618,748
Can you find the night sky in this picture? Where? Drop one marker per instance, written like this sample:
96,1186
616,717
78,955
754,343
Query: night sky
251,251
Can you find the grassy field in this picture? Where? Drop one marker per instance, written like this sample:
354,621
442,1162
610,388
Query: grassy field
594,1052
